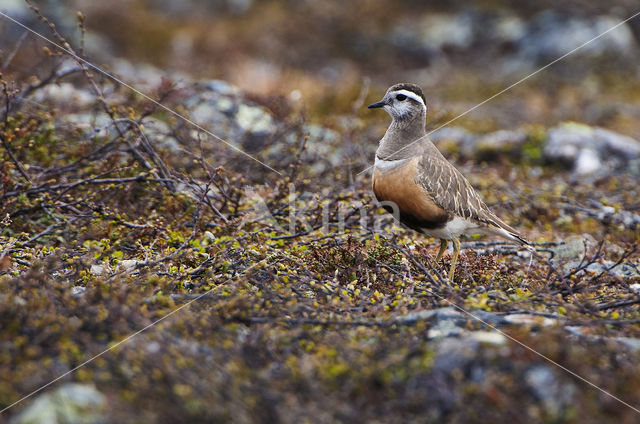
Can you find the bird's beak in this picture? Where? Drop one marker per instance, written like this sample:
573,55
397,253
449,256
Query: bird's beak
376,105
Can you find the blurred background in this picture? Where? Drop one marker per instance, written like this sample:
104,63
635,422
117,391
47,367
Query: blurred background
316,55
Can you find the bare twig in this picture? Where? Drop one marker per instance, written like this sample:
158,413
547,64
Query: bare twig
15,161
44,188
45,232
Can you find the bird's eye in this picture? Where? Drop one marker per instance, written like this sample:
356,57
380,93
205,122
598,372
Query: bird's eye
401,97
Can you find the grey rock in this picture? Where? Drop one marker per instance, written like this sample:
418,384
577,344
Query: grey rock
590,150
553,394
629,342
449,321
57,11
487,317
128,265
547,36
445,30
159,135
78,291
447,314
616,144
69,403
65,93
605,213
550,35
587,151
577,331
142,76
507,28
192,8
446,322
96,269
565,141
221,108
254,119
486,145
463,139
213,113
454,353
487,337
573,248
445,328
634,167
607,267
433,34
91,124
499,141
587,162
323,150
239,6
221,87
14,7
533,321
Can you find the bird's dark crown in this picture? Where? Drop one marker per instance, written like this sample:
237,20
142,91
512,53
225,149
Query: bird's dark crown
409,87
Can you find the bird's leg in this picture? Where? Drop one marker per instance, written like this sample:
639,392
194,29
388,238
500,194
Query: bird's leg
454,257
443,247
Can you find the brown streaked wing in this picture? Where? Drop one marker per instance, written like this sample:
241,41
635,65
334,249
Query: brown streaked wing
450,190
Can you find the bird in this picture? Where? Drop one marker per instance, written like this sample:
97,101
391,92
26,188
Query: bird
420,187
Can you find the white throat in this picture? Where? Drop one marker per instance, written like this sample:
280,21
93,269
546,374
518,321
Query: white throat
388,164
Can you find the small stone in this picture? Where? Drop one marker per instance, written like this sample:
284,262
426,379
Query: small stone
530,320
98,269
69,403
77,291
575,330
221,87
488,337
128,264
254,119
445,329
573,248
153,347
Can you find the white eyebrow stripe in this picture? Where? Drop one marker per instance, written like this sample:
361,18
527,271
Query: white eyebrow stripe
411,95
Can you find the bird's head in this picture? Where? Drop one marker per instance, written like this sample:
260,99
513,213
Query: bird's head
403,102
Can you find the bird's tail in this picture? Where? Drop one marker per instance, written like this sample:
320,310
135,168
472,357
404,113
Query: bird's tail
502,229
